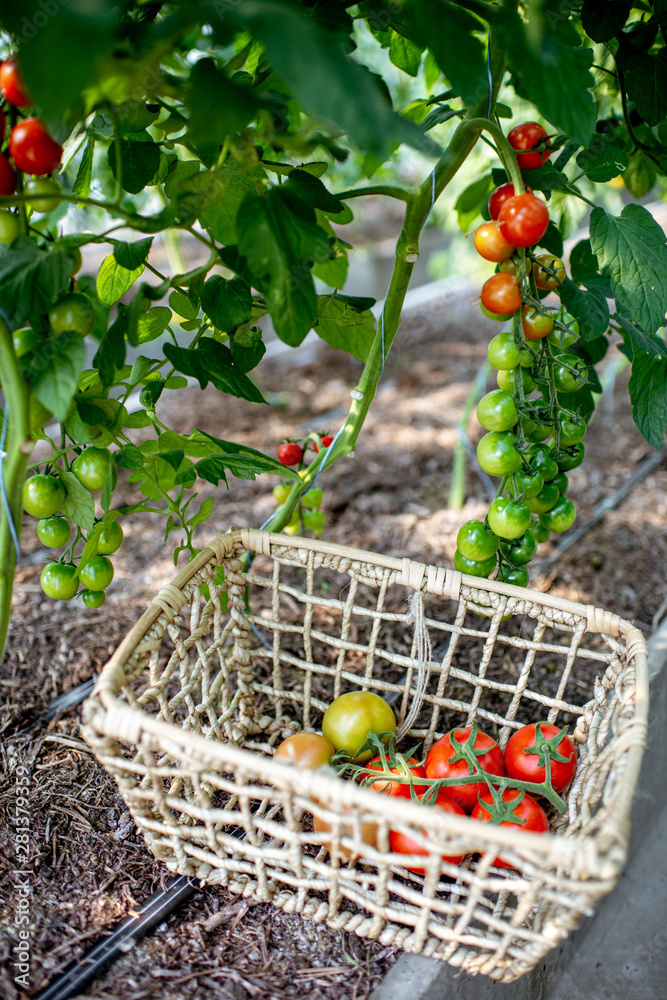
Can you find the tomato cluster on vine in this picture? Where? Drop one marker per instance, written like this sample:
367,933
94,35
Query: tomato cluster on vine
533,439
44,498
464,773
28,148
306,513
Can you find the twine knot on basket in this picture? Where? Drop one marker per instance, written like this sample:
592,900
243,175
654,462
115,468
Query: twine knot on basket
421,653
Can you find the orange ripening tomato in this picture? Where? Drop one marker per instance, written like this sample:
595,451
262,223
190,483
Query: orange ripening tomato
536,325
549,272
491,244
501,294
367,829
306,750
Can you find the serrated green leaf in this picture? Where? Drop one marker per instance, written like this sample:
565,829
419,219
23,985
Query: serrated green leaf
203,514
114,280
31,278
213,362
601,164
55,384
602,19
404,53
241,461
632,253
589,308
132,255
79,505
645,77
139,161
345,327
648,395
450,34
238,181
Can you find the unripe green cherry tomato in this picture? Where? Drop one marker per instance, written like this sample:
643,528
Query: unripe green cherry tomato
570,458
507,519
567,380
561,517
516,575
561,482
73,312
549,272
539,457
110,540
565,332
474,567
53,532
497,454
572,431
521,550
496,317
507,380
43,495
541,533
544,500
501,293
502,352
91,467
281,492
475,542
529,482
97,574
10,228
497,411
535,432
536,325
313,498
26,339
314,520
351,717
59,581
93,598
512,266
37,188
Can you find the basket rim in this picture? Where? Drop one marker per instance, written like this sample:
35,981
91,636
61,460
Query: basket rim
107,714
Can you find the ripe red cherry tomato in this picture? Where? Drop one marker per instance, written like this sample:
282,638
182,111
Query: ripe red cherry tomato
439,764
491,244
7,174
32,148
527,767
530,815
396,788
306,750
326,441
536,325
527,136
400,843
290,453
498,198
501,294
524,219
11,84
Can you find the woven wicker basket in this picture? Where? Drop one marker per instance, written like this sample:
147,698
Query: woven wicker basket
186,714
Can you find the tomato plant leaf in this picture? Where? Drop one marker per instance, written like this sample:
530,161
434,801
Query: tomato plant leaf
58,379
227,303
139,161
129,457
152,324
280,240
242,461
311,190
31,278
79,505
404,53
343,326
132,255
247,349
137,420
113,280
327,82
449,33
111,353
203,514
602,162
648,395
220,219
640,174
212,362
589,308
632,253
470,202
218,107
84,174
602,19
645,78
540,56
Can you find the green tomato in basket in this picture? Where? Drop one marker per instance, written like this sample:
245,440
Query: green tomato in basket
351,717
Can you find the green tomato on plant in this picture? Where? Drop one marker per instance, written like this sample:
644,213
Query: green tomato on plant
97,574
37,188
93,598
54,532
73,313
91,467
10,227
59,581
43,495
110,539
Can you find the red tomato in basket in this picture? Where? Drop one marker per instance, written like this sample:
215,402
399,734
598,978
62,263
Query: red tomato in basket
388,787
530,816
526,766
400,843
439,764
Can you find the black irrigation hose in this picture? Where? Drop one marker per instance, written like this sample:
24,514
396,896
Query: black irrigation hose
60,704
157,908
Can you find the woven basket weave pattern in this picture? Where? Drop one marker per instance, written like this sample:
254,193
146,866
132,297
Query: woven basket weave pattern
190,707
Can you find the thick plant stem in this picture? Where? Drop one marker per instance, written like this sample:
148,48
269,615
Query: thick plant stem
18,448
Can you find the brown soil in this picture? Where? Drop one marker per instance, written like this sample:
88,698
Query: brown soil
91,868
